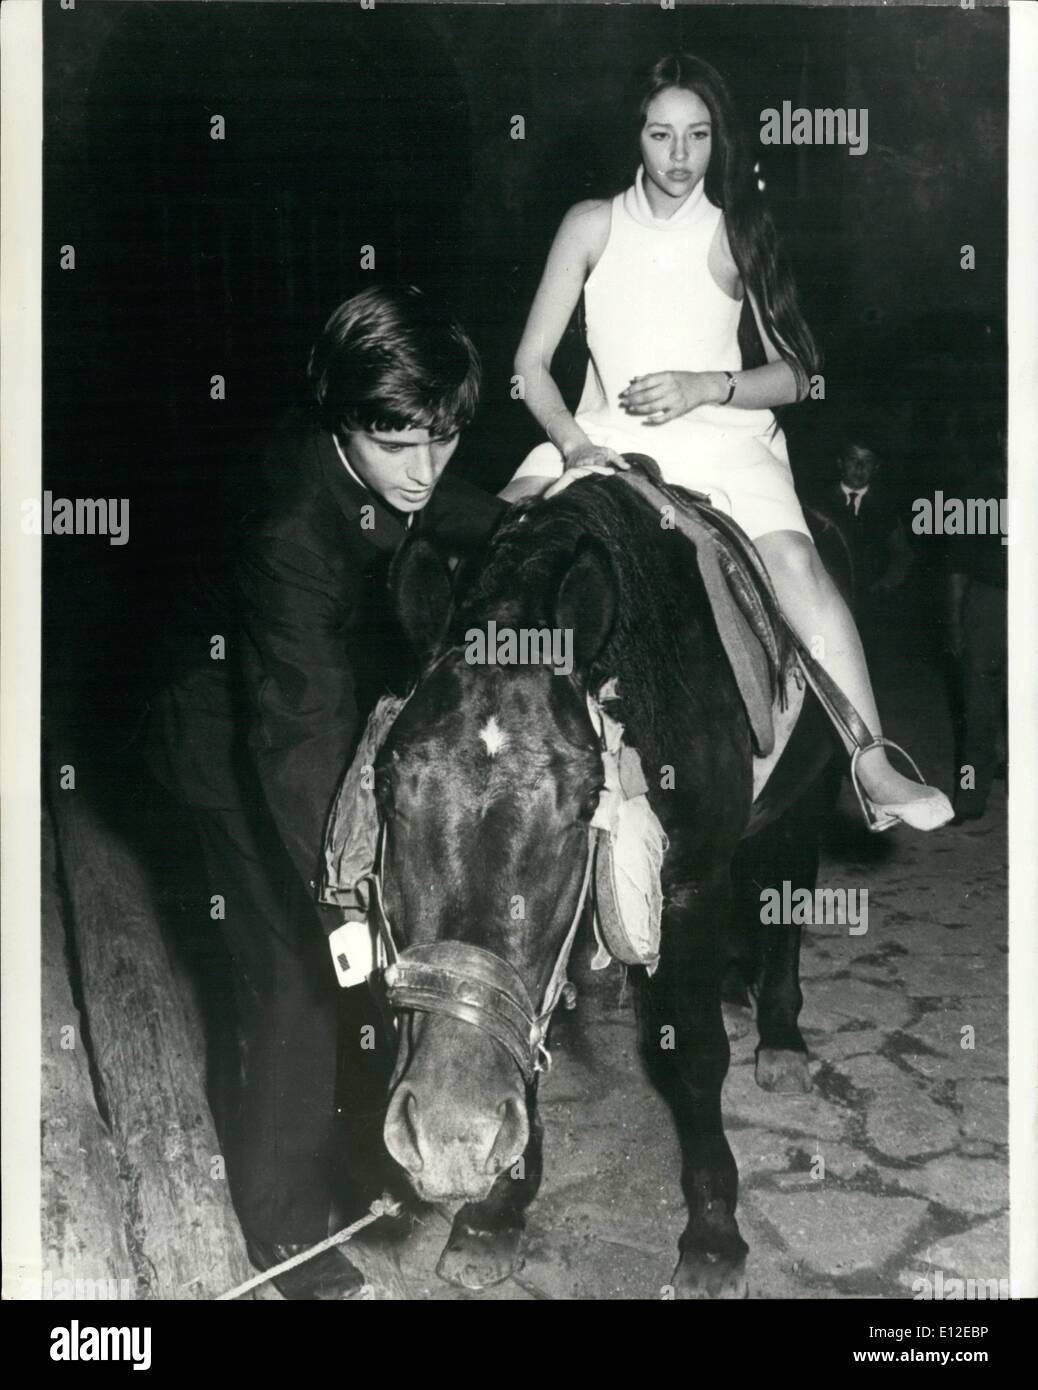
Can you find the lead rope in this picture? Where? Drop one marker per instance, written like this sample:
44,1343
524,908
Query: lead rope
382,1206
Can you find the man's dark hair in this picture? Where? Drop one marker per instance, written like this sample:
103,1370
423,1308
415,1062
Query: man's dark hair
392,358
862,429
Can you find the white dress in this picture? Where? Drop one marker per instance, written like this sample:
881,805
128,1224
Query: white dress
651,305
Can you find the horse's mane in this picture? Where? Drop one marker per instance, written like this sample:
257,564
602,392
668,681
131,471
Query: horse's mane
663,633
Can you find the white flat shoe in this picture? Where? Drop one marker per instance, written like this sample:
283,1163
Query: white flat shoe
929,811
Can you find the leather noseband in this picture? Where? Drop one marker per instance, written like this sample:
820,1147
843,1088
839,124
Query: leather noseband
475,986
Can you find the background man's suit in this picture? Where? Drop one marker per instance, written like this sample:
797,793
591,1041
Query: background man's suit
870,527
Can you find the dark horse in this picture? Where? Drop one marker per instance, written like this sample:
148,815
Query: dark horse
486,784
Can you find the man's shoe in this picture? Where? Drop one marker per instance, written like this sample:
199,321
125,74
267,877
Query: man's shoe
328,1278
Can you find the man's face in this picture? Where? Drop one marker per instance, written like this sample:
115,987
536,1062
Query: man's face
402,466
857,466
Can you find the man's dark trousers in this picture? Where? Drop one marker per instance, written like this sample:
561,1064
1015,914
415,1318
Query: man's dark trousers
277,1116
983,677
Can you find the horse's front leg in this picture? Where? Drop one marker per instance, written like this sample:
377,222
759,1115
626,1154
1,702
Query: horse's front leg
686,1049
485,1243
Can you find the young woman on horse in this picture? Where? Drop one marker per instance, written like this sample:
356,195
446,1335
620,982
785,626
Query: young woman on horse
664,268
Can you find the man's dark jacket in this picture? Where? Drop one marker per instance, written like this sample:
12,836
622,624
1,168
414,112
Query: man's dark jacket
869,531
271,714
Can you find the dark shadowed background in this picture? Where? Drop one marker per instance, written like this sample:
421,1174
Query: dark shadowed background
391,128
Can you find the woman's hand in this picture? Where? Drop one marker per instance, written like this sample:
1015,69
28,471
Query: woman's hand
574,475
594,457
663,396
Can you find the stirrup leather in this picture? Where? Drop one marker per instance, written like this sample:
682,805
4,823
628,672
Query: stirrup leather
850,724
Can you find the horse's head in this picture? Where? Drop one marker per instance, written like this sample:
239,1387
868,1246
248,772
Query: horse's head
486,786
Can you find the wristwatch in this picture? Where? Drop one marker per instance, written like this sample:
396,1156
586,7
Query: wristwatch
731,387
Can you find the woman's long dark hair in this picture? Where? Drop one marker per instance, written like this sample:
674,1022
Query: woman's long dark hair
731,184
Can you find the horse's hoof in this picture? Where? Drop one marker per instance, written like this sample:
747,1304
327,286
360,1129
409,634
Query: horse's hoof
783,1072
475,1259
703,1274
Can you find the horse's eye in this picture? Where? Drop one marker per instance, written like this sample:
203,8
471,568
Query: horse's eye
591,803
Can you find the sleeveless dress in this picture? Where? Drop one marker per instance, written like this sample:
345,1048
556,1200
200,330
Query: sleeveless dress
651,305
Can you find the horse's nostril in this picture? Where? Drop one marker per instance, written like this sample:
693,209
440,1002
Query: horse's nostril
511,1137
411,1124
402,1132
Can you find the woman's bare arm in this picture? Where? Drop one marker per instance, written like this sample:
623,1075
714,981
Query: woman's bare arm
557,296
760,388
578,243
664,396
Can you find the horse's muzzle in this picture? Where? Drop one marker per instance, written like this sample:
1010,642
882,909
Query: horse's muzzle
457,1120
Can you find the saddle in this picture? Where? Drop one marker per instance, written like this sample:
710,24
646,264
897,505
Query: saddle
749,622
762,648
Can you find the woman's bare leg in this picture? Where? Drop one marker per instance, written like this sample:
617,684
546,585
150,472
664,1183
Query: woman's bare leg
822,620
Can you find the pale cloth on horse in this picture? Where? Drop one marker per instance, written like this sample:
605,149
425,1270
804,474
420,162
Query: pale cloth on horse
628,885
652,305
351,838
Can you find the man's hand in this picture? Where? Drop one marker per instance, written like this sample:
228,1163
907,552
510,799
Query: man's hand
663,396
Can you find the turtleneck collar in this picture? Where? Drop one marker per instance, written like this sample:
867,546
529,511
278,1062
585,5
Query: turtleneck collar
636,203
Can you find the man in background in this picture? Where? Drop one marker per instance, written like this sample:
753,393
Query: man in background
870,513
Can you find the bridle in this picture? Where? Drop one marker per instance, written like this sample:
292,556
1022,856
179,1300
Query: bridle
473,985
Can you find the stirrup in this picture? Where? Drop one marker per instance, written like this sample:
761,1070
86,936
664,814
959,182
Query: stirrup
878,818
852,727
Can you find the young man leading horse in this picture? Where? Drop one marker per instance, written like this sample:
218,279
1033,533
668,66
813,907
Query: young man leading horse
253,732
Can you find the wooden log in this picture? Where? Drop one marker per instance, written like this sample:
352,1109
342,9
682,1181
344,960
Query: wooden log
85,1252
184,1236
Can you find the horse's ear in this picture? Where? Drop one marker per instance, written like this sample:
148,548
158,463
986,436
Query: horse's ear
420,584
586,601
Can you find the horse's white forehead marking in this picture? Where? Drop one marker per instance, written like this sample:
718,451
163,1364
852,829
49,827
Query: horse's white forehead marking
495,740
